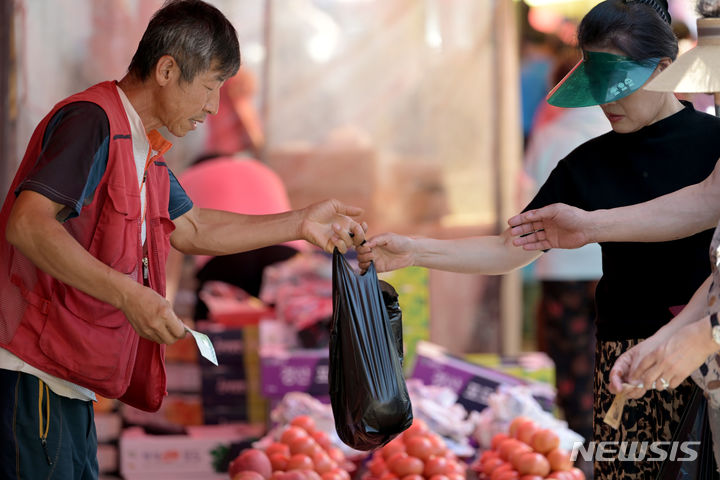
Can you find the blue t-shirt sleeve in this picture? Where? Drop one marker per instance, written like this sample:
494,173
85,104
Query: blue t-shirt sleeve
179,203
73,159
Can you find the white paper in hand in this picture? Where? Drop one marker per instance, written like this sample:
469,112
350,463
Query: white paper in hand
204,345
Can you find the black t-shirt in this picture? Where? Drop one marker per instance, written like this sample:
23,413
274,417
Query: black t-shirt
641,281
74,157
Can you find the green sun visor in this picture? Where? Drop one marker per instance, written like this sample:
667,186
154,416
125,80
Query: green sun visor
601,78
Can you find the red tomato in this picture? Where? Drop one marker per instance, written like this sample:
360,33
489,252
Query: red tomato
291,433
456,476
439,477
559,460
491,464
251,459
278,447
304,445
336,454
488,454
321,438
438,444
322,461
531,477
525,431
509,446
331,476
517,421
311,475
419,446
377,466
406,466
508,475
561,476
418,427
279,461
412,477
497,440
436,466
305,422
577,474
544,440
342,472
395,446
300,461
533,464
516,452
247,475
389,476
502,470
457,467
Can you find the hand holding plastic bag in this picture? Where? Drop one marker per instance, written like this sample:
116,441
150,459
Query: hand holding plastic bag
368,394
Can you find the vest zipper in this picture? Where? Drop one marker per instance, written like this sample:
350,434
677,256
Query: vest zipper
146,272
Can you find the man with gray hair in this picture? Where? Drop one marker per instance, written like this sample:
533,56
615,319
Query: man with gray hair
86,229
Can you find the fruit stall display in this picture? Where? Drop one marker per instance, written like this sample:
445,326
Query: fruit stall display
301,452
526,452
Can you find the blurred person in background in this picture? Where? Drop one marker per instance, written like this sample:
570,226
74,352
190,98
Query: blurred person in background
237,127
537,56
241,185
566,308
658,145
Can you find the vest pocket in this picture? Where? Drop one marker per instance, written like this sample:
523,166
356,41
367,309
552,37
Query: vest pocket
116,241
91,347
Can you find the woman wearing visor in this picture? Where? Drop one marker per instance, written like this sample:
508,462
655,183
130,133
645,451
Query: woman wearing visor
657,145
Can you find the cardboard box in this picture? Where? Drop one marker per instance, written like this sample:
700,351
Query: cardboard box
230,343
285,371
224,385
471,382
108,426
177,410
183,377
236,380
107,456
199,454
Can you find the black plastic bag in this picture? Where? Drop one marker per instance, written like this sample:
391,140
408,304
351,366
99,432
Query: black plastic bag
694,432
392,307
369,398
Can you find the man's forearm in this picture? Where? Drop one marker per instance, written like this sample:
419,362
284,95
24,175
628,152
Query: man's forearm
217,232
33,230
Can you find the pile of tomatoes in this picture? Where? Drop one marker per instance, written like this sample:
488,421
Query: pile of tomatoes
526,452
302,453
416,454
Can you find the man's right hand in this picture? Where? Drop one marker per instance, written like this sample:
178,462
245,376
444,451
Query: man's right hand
152,316
555,226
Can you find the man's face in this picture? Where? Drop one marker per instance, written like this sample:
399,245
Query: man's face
183,105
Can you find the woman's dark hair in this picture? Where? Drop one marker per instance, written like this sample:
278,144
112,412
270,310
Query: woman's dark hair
195,34
639,28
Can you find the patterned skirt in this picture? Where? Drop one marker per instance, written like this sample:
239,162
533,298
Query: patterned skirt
652,418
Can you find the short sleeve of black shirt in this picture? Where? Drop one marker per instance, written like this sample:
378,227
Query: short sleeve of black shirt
558,188
73,157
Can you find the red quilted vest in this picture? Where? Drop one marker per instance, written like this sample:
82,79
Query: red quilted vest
63,331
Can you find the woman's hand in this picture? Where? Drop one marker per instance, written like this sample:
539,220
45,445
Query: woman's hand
389,251
673,361
663,360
